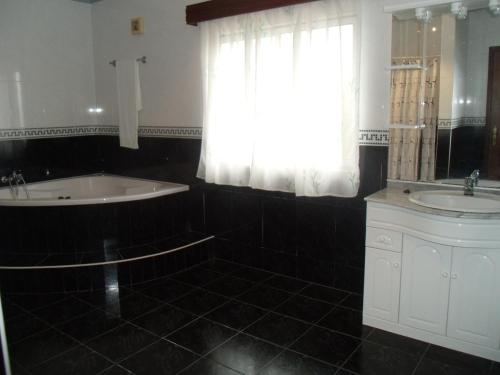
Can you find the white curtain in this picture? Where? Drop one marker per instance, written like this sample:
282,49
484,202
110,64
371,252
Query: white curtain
280,94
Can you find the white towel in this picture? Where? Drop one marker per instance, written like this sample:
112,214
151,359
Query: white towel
129,102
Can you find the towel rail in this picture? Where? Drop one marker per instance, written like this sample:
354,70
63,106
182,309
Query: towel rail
142,59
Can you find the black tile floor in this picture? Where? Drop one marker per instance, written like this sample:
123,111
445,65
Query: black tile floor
216,319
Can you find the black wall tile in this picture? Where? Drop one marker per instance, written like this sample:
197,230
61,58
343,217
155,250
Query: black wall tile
316,237
467,150
279,224
218,212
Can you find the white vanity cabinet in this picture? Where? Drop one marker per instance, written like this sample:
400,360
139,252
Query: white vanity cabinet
425,284
434,278
474,311
382,278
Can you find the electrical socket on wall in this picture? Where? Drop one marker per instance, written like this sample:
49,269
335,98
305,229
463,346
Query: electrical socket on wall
137,26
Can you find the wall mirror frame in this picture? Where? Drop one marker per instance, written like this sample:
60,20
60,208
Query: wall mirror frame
445,91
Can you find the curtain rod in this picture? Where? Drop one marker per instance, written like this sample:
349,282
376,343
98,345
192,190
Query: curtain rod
213,9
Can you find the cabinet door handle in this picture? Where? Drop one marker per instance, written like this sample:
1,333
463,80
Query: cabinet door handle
445,274
396,265
454,275
384,239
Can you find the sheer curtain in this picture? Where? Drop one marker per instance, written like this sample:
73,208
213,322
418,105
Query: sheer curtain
280,99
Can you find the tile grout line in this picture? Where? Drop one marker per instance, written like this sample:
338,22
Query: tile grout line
421,359
287,347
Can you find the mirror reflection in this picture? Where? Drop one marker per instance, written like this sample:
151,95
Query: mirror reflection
445,93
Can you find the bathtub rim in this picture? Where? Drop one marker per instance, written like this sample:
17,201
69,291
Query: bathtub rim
178,188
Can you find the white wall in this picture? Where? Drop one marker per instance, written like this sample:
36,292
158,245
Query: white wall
46,70
446,73
49,43
375,58
171,79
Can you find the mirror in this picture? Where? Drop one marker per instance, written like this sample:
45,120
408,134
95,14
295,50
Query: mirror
455,50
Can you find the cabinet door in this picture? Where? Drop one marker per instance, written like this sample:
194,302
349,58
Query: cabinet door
425,283
382,280
474,313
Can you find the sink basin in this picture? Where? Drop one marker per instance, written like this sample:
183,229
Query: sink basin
455,200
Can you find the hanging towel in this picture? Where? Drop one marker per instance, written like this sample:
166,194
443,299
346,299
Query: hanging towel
129,102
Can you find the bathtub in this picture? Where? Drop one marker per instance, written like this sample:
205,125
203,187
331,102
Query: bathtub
88,190
73,233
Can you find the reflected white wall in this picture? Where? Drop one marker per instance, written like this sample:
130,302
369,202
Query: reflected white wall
483,33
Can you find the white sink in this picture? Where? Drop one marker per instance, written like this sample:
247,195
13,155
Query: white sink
455,200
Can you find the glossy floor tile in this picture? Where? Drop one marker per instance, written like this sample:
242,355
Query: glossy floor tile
164,320
245,353
201,336
278,329
371,358
326,345
236,315
80,360
216,319
162,357
292,363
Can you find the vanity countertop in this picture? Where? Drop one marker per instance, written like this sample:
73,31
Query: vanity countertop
397,197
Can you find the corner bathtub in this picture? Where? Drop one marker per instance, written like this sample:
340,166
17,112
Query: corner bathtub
76,233
87,190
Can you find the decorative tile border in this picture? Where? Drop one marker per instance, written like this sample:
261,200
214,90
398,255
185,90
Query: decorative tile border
375,137
473,121
76,131
461,122
53,132
156,131
366,137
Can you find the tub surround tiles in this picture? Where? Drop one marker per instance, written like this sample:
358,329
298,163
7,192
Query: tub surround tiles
229,337
43,159
77,235
166,159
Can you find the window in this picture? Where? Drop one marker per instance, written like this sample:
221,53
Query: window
280,100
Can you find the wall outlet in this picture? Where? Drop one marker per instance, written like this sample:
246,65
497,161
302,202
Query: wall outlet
137,26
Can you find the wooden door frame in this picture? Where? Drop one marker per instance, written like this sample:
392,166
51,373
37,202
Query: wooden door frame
489,99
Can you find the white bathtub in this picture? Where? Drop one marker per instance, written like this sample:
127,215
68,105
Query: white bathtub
95,189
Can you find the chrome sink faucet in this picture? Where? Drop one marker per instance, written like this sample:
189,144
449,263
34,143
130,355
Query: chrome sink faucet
17,178
470,182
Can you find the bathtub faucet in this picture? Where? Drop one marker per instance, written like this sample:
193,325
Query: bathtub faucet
15,179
